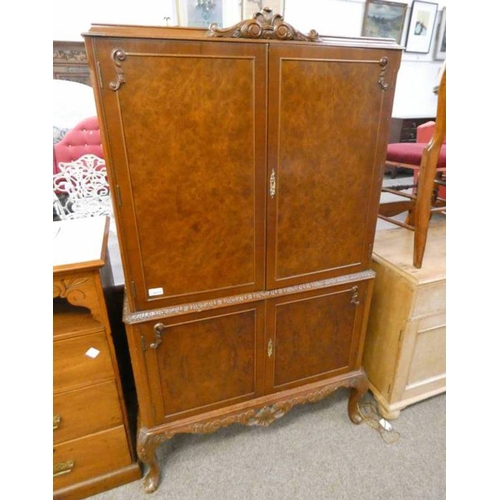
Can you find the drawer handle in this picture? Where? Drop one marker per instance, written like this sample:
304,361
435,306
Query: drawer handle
62,468
57,421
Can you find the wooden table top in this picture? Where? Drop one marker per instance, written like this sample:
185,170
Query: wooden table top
394,247
79,243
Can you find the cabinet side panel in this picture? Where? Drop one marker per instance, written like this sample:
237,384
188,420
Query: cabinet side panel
386,332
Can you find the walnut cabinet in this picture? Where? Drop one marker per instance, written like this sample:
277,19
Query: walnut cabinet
245,166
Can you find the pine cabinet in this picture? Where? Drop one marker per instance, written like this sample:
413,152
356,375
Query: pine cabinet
405,351
245,167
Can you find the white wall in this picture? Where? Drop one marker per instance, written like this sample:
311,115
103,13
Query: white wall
416,79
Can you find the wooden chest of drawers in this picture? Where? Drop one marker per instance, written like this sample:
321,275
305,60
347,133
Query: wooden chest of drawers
405,350
92,444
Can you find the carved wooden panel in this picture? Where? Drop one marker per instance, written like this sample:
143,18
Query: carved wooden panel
70,62
189,158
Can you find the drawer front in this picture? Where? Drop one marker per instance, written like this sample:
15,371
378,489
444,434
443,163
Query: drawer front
86,411
89,457
430,299
81,361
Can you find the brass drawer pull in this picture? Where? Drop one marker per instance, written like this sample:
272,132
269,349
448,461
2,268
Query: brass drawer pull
57,421
270,348
62,468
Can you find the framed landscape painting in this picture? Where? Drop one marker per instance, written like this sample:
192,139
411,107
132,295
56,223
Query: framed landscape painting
384,19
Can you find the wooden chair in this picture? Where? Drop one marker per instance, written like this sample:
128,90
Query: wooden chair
428,161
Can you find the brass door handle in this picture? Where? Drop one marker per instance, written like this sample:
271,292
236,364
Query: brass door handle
62,468
158,328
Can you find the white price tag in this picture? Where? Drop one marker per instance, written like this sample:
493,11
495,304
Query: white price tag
93,353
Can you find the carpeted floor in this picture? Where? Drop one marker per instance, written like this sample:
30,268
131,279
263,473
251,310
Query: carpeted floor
312,453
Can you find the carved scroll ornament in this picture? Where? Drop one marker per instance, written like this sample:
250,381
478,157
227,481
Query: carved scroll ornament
265,25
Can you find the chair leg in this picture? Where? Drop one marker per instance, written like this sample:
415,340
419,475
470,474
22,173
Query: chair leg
423,204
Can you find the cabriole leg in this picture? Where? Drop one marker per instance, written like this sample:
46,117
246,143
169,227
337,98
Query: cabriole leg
358,390
146,450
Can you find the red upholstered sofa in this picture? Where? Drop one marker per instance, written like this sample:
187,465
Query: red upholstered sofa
84,138
79,172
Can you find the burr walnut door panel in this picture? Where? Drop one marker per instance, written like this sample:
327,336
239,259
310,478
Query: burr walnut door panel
186,132
204,361
314,335
328,127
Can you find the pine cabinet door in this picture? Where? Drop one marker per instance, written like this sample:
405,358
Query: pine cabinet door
329,113
185,138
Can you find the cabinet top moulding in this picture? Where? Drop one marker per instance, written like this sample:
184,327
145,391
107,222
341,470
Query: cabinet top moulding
267,35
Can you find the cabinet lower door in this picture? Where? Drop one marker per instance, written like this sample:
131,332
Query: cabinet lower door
314,335
202,361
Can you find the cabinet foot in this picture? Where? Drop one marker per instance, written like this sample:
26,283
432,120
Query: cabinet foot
358,390
146,450
388,414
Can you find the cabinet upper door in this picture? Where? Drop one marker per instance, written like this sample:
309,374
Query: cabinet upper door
185,138
329,113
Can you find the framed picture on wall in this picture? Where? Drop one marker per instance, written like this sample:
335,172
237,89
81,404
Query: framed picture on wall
440,52
421,27
250,7
200,13
384,19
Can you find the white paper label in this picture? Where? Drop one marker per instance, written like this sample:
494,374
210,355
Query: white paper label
93,353
153,292
386,425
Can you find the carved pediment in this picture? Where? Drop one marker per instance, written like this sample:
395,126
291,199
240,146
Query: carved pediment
264,25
